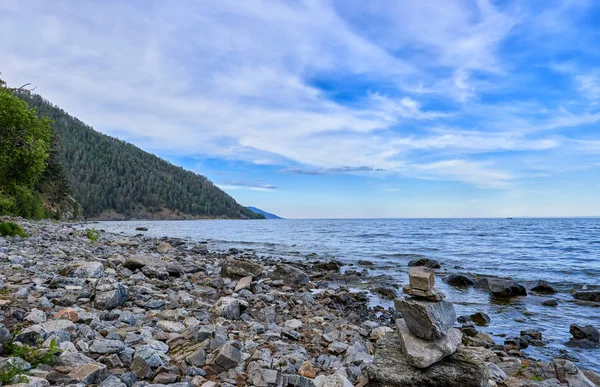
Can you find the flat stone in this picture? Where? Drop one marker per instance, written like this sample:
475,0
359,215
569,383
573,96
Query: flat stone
430,295
426,319
422,353
91,373
421,278
105,346
243,283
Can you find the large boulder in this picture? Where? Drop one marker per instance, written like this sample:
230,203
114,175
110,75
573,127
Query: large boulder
390,368
501,288
139,261
290,274
110,294
238,268
422,353
426,319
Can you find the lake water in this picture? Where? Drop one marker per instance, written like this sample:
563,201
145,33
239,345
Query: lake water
565,252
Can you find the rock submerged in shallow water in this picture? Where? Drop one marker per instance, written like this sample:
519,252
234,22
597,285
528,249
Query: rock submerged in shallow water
427,319
587,295
480,318
584,337
501,288
459,280
430,263
543,287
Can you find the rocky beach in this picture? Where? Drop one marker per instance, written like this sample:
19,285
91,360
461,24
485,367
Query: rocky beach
80,308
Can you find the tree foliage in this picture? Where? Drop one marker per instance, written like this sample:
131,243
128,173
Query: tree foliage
107,174
24,144
24,141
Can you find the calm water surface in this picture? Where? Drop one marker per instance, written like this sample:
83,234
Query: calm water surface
565,252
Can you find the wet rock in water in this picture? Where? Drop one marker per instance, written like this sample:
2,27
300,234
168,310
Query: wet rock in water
422,353
237,268
289,274
587,295
328,266
365,263
543,287
501,288
550,302
426,319
459,280
430,263
141,229
385,292
480,319
584,337
390,368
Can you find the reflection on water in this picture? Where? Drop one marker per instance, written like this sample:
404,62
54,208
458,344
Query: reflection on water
564,252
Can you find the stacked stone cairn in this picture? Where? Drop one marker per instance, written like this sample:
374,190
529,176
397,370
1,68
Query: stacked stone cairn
426,332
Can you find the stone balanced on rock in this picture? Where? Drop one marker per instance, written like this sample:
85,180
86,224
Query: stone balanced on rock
426,332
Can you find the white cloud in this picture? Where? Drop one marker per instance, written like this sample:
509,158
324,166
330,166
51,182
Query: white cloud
237,80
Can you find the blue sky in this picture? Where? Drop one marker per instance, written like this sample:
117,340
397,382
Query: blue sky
336,108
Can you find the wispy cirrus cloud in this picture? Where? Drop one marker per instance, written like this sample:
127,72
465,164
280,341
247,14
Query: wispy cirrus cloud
250,185
431,90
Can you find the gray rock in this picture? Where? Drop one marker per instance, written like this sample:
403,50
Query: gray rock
426,319
430,263
5,335
83,270
459,280
197,358
91,373
105,346
585,333
110,294
501,288
289,274
228,307
335,380
228,356
238,268
429,295
112,381
390,368
422,353
164,247
140,368
243,283
587,295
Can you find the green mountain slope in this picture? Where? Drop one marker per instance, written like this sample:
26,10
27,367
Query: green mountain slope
111,178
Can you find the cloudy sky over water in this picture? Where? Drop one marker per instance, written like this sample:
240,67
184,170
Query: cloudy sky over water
336,108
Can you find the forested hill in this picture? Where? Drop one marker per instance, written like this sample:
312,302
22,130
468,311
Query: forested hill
114,179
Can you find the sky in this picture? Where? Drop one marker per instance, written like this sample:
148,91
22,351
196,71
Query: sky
336,109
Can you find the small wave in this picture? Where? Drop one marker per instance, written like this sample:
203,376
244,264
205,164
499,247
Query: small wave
374,235
401,255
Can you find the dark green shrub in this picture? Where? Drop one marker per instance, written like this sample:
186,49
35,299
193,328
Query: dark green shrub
11,229
28,204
